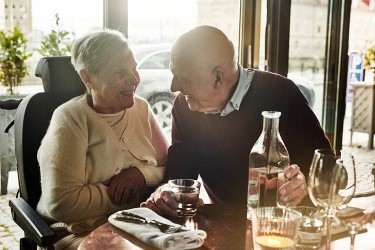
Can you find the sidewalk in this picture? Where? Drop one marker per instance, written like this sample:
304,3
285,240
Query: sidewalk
10,233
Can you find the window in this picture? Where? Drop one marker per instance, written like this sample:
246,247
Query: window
156,61
36,19
153,29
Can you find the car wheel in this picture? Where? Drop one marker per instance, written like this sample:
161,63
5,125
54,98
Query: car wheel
161,104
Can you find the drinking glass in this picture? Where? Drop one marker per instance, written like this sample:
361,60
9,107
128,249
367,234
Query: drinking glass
275,227
309,234
186,193
331,182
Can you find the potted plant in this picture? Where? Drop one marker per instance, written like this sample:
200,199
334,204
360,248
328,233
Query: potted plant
13,56
369,62
57,43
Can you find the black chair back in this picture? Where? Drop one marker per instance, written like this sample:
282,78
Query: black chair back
61,83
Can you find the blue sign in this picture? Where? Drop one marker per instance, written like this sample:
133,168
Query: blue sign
355,72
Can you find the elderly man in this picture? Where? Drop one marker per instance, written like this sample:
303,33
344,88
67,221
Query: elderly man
217,119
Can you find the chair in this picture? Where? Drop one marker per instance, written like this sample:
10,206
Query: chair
61,83
8,159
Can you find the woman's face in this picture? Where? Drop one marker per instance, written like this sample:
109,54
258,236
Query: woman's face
113,88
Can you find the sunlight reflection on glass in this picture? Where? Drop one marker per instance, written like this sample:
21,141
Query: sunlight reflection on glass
191,224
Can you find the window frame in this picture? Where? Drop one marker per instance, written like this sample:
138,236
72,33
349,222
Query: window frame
116,17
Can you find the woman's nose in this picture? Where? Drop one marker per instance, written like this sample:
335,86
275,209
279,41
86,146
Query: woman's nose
135,79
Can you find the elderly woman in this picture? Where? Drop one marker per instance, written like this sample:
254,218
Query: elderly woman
103,150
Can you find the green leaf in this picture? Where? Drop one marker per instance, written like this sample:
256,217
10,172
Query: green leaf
57,43
13,58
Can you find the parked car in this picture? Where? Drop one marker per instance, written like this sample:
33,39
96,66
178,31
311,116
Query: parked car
153,67
306,87
156,78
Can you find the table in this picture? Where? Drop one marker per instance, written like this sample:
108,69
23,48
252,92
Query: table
226,229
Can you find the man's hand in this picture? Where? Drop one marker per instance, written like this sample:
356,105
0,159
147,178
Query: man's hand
293,191
125,186
162,202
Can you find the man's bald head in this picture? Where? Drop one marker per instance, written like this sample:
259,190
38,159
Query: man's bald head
205,46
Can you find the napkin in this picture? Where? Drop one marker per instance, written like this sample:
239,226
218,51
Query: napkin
152,235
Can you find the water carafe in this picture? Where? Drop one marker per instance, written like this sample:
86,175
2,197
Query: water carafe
267,160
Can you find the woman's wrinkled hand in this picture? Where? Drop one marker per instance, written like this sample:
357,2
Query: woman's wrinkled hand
125,186
294,190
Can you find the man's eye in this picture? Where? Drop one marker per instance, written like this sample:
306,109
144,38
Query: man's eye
181,79
120,73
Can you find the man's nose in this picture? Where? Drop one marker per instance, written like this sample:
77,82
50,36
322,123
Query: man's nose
175,86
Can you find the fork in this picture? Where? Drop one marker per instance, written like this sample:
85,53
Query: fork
133,218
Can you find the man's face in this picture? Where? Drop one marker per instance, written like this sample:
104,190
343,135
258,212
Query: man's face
195,82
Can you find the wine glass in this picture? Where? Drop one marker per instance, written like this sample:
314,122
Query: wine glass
331,182
355,215
354,218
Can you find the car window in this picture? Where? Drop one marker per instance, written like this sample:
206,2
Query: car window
156,61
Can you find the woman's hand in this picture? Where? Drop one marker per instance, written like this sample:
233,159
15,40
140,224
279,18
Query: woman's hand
293,191
125,186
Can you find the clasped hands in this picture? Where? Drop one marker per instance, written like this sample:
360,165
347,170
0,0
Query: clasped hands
292,192
125,186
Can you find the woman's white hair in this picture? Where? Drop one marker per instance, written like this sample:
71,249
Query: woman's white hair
98,49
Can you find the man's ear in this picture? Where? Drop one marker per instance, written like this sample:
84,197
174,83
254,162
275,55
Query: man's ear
85,78
218,77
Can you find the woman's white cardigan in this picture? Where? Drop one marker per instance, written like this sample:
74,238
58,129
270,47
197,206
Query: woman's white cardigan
80,151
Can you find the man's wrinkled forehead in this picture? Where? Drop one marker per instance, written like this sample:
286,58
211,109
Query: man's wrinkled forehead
179,64
177,57
187,57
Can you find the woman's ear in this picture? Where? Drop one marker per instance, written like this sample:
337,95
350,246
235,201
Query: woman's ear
86,79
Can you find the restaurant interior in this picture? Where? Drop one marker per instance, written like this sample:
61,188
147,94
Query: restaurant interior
326,47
